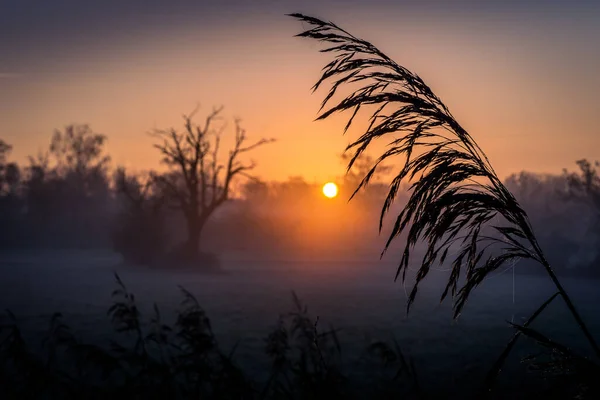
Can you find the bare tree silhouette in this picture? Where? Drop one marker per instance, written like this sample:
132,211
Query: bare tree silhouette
199,183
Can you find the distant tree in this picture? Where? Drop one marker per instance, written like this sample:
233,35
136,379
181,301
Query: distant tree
10,200
67,188
139,234
5,149
255,190
560,225
10,174
361,166
75,164
294,192
37,196
584,186
79,157
540,194
198,182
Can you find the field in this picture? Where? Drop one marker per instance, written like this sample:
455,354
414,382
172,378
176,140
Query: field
361,299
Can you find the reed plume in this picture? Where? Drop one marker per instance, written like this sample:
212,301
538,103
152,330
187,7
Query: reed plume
457,202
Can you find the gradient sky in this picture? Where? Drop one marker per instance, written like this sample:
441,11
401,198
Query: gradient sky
521,76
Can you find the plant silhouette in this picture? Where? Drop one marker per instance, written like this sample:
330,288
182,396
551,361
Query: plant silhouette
200,182
456,201
154,359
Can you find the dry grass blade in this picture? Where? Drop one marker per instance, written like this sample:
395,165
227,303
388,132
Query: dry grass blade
565,362
455,191
495,370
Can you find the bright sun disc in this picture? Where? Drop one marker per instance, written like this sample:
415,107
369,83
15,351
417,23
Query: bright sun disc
330,190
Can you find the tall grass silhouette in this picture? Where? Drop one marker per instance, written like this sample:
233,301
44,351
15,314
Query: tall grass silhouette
457,202
151,359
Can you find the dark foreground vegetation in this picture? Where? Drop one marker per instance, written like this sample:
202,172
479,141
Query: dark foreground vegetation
150,355
183,360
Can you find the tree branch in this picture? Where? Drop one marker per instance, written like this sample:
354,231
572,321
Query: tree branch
194,154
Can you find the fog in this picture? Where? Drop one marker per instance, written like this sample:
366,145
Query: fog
70,221
89,204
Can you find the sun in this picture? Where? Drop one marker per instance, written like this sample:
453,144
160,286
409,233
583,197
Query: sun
330,190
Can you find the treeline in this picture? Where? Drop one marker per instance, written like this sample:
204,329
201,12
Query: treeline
71,196
61,197
565,214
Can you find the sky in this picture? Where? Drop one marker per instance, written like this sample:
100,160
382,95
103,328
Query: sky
520,76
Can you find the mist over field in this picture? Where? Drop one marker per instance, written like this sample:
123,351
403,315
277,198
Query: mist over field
270,221
62,241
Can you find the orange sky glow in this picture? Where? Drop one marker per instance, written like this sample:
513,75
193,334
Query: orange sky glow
526,92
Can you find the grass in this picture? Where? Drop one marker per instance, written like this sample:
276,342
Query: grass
153,359
458,206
